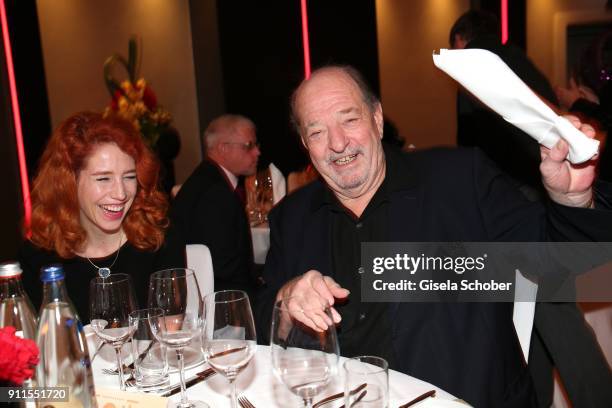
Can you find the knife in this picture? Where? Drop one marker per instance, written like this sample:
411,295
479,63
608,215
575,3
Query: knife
420,398
198,378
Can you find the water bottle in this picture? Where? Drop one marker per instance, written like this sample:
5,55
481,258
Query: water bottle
64,358
16,310
15,307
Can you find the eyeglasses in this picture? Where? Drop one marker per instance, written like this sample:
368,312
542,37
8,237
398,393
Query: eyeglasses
247,146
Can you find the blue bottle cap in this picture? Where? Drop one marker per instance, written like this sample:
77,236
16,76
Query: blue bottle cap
52,273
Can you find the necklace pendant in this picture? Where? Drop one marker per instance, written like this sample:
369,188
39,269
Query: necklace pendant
104,272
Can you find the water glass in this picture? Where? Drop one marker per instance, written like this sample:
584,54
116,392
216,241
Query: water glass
148,354
304,359
374,373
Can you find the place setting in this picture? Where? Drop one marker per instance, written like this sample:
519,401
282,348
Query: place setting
174,344
161,342
301,367
169,354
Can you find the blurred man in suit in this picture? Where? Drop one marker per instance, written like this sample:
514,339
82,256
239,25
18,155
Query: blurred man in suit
577,357
479,126
209,207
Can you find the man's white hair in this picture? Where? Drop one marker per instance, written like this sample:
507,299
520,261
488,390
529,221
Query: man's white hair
224,125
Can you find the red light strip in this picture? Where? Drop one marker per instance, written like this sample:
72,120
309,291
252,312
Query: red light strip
504,21
25,185
305,39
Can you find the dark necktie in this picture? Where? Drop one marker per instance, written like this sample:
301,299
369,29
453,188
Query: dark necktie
240,191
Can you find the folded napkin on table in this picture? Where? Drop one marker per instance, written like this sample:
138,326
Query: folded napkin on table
279,187
488,78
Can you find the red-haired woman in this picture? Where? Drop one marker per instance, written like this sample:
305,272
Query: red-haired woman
95,205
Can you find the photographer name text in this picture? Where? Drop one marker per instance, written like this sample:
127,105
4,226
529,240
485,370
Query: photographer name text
464,285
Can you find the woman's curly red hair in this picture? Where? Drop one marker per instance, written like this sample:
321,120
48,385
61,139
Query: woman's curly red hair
55,221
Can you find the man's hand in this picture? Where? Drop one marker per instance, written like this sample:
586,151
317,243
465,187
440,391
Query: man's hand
311,294
566,183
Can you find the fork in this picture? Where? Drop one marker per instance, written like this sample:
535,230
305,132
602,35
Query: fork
127,369
244,402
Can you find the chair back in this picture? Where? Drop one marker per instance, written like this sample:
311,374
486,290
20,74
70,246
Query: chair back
279,185
200,260
524,311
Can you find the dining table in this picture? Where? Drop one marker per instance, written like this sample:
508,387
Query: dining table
258,383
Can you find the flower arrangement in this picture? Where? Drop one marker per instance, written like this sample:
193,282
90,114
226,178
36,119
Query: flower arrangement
133,99
18,357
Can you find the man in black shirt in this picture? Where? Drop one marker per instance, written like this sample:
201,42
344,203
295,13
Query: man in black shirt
348,232
371,193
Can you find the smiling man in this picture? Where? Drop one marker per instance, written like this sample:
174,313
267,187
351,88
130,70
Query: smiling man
372,193
341,131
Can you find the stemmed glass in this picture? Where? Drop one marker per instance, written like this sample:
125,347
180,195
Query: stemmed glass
111,302
229,337
266,193
260,197
303,359
176,292
253,205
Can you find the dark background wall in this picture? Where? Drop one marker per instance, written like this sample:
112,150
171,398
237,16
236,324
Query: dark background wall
206,62
31,88
262,59
517,12
30,78
10,207
261,54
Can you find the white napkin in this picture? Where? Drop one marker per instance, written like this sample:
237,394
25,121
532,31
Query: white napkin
488,78
279,187
229,332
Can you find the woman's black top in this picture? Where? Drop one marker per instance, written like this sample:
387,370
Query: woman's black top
79,272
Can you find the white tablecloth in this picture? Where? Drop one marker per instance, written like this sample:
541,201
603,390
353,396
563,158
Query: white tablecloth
258,384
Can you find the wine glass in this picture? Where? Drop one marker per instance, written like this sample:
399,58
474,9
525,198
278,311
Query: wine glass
266,193
111,302
229,337
176,292
303,359
253,204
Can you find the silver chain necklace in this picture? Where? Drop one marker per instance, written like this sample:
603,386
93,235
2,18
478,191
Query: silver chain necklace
106,271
